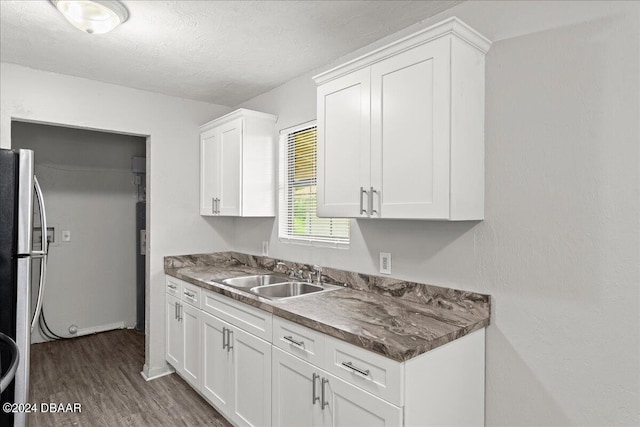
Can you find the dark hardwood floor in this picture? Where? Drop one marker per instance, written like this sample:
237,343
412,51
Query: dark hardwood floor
102,372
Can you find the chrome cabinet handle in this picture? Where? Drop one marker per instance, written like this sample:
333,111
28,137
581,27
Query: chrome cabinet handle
175,310
229,346
213,205
362,210
172,286
315,398
224,337
349,365
371,210
180,313
323,402
189,294
292,341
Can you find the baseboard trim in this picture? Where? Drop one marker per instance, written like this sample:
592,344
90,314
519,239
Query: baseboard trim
37,337
153,373
101,328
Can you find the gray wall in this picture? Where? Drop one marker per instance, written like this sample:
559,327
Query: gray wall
88,186
172,127
559,248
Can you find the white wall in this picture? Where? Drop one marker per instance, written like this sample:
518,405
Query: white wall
171,124
88,186
559,249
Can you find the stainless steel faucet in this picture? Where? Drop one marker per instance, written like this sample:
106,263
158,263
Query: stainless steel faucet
290,270
318,271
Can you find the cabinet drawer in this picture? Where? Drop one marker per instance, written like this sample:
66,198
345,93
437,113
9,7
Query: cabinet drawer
191,294
174,286
374,373
299,341
252,320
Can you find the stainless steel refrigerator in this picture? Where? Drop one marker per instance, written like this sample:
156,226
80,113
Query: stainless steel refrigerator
23,243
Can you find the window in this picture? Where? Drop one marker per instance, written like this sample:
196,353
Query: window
298,171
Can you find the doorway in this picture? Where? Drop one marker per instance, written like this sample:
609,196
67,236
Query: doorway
95,190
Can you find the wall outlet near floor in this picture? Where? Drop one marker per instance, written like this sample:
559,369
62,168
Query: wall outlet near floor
385,263
66,235
265,248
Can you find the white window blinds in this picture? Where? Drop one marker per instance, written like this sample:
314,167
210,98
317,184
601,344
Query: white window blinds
298,172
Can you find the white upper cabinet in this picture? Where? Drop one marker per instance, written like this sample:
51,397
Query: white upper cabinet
401,129
209,171
343,105
237,165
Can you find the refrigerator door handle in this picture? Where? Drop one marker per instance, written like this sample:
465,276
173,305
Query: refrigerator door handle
42,253
25,201
43,217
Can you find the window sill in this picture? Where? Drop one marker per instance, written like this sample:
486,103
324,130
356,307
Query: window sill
313,243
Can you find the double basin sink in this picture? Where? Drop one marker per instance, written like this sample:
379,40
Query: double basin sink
276,287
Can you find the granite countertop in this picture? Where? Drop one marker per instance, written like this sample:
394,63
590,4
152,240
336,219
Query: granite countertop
394,318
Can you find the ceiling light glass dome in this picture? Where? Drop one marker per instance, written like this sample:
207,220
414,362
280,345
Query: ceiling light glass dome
93,17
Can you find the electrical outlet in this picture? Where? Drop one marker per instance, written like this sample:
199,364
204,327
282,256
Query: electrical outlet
385,263
265,248
66,235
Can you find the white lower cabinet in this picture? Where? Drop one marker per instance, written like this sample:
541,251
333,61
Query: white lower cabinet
192,350
173,331
183,339
349,406
286,375
216,367
295,392
236,372
304,395
251,379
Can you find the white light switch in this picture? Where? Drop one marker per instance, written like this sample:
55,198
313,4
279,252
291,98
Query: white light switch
66,235
385,263
265,248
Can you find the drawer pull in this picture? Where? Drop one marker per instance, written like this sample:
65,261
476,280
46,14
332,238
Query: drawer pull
292,341
349,365
189,294
172,286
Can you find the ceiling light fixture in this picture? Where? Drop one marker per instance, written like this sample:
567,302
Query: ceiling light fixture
93,17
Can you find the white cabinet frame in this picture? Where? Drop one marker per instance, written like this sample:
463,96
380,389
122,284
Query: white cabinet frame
401,129
237,165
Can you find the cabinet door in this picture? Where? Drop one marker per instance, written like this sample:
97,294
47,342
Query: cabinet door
191,360
216,366
230,166
344,145
209,170
293,403
410,116
251,377
350,406
174,333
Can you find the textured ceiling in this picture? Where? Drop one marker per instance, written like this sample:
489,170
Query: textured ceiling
223,52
